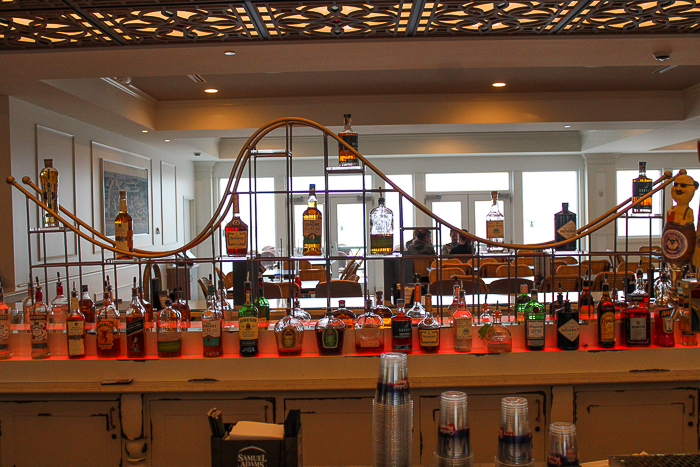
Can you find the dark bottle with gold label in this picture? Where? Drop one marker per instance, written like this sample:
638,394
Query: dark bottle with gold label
565,228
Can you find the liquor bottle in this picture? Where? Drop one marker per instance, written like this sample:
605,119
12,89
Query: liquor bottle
212,328
567,327
640,187
663,312
558,303
521,302
417,312
348,317
382,310
123,229
248,325
586,304
429,329
49,192
289,334
369,331
263,305
182,306
5,327
28,303
346,157
312,226
146,306
330,334
135,326
637,319
494,223
462,320
534,323
236,232
685,321
498,338
606,318
455,299
169,332
75,328
39,325
87,306
299,313
107,326
401,332
381,229
59,305
565,228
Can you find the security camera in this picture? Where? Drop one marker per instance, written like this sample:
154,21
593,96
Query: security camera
197,154
662,56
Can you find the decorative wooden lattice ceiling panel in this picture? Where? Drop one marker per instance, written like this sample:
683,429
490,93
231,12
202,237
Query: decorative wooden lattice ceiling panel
36,24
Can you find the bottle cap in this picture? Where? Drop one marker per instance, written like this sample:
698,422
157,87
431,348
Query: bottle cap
122,193
48,162
168,302
312,187
341,303
347,116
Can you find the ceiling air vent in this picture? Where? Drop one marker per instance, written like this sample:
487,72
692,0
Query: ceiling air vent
197,78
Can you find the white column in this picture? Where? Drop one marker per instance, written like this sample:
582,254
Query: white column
601,196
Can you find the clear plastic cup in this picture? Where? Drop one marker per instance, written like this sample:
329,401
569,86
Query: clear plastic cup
392,432
563,449
453,432
392,384
514,438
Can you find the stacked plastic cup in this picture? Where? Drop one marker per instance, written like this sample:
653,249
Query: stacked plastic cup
392,418
453,448
563,450
514,438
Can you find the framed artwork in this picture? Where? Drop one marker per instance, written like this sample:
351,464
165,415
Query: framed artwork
135,180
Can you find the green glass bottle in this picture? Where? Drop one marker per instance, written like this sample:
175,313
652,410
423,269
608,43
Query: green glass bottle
262,305
534,323
521,302
248,326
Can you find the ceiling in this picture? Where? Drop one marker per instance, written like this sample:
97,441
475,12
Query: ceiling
586,68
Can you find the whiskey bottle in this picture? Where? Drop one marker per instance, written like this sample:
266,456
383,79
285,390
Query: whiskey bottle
75,328
567,327
49,192
429,329
495,224
455,300
381,229
462,321
565,228
107,327
606,318
382,310
182,306
5,327
248,325
212,328
534,323
236,232
39,325
59,305
330,335
663,312
417,312
169,332
640,187
123,229
401,329
586,304
637,320
498,337
87,306
289,334
369,331
346,157
348,317
135,326
312,226
263,305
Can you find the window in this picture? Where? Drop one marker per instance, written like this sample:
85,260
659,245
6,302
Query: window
543,195
449,182
405,182
637,227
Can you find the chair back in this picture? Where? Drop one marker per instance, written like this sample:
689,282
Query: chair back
338,289
570,269
616,281
472,284
595,266
444,273
508,270
489,269
312,274
444,262
349,270
420,265
481,261
569,283
510,285
441,287
527,261
284,288
272,290
568,259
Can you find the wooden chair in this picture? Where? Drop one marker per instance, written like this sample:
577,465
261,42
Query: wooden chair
354,278
204,284
304,264
489,269
444,273
481,261
569,283
571,269
472,284
595,266
444,262
339,288
272,290
442,287
420,265
527,261
510,285
568,259
509,271
631,266
284,288
350,269
618,284
312,274
466,269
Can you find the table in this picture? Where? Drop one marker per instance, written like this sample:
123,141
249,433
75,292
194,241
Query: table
488,280
287,273
308,286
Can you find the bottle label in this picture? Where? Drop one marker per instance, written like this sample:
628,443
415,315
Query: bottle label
387,322
638,328
535,331
288,339
382,242
170,346
4,326
105,329
636,298
673,243
76,337
640,189
134,327
237,239
123,236
666,314
248,328
39,328
463,328
312,231
607,326
494,229
329,338
429,337
568,230
211,328
570,330
351,139
559,460
401,329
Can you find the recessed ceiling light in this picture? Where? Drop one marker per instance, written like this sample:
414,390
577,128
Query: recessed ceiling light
144,131
498,85
567,126
211,91
229,52
167,140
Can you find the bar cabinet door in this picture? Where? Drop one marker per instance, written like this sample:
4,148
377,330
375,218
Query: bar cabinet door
76,433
